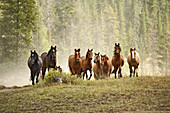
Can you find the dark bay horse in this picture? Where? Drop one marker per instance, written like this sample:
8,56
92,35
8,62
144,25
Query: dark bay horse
74,63
106,66
97,66
35,64
87,63
49,60
117,60
133,61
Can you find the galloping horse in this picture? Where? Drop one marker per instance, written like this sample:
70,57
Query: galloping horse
35,64
97,66
87,63
117,60
74,63
133,61
49,60
106,66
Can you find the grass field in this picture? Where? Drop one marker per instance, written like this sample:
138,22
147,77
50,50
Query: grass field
121,95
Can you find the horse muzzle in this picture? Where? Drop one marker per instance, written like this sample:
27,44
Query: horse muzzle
53,58
116,53
77,60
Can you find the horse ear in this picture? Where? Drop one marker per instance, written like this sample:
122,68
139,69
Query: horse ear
79,49
34,51
51,47
91,49
88,50
74,49
31,51
115,44
118,44
98,53
134,48
130,49
55,47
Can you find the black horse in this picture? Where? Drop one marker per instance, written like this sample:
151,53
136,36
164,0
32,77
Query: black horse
35,65
49,60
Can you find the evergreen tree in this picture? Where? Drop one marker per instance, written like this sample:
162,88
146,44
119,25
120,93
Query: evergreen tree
17,24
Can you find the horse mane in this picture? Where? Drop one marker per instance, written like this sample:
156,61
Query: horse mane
48,52
87,54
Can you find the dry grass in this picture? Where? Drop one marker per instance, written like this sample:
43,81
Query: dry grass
120,95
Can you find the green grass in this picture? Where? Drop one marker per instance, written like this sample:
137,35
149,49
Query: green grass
121,95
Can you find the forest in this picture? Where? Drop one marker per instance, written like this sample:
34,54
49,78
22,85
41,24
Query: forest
86,24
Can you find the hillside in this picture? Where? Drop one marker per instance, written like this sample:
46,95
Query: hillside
120,95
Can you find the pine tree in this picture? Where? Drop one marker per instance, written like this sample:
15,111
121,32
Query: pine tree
17,23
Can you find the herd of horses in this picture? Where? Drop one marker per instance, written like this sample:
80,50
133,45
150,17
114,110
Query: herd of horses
102,66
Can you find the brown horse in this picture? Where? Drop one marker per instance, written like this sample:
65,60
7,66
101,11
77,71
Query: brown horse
87,63
133,61
74,63
106,66
97,66
117,60
49,60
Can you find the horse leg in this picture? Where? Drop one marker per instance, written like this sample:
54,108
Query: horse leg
86,75
136,69
120,71
130,67
115,70
85,72
32,77
37,76
134,72
90,74
43,72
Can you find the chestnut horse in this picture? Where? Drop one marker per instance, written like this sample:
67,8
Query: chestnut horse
106,66
133,61
117,60
97,66
87,63
49,60
74,63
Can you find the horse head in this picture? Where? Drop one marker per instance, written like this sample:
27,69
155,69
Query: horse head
104,59
77,54
33,56
89,54
133,53
96,57
52,53
117,49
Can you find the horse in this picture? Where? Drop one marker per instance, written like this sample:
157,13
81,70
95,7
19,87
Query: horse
35,64
97,66
58,68
117,60
49,60
106,66
87,63
133,61
74,63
